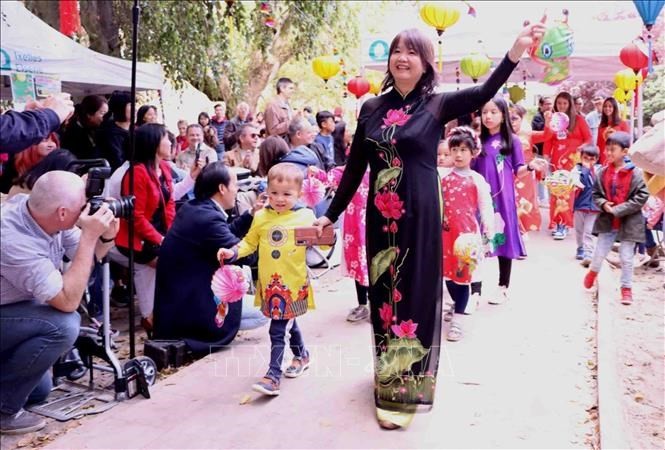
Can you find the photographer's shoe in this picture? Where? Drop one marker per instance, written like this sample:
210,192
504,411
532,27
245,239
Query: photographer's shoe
20,423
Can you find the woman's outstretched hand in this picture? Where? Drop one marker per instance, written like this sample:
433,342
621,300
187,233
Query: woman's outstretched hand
320,224
529,35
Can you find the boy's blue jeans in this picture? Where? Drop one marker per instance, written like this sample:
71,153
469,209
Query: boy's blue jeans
278,329
626,252
32,338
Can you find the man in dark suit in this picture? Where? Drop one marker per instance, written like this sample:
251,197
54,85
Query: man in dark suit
185,307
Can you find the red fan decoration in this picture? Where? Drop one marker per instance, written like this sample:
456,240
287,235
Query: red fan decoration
229,284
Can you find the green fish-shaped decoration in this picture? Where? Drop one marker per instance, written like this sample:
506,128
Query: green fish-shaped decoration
553,51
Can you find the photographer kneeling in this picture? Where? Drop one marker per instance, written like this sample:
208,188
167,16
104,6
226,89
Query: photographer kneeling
38,318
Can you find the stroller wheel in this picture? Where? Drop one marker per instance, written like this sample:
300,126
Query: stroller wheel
149,369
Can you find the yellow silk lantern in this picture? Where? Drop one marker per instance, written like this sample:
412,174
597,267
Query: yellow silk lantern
475,65
326,67
440,17
626,80
375,79
620,95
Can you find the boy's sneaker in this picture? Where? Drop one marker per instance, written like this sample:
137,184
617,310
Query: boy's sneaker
21,422
579,254
357,314
590,279
297,367
626,296
267,387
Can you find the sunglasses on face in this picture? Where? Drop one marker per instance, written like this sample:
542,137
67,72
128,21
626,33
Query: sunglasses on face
513,118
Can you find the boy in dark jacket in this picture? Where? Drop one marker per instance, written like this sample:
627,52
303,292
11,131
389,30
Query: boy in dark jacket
620,193
585,209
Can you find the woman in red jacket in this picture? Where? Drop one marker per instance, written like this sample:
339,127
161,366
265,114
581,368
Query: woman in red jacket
610,122
563,151
154,210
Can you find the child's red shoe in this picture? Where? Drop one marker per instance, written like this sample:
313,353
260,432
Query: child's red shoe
590,279
626,296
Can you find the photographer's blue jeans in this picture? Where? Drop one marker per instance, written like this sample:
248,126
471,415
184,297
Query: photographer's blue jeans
32,338
278,329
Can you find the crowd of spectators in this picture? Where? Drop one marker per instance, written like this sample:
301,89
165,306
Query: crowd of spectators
196,190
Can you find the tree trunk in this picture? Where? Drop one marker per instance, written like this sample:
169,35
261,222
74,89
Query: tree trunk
98,19
264,68
49,12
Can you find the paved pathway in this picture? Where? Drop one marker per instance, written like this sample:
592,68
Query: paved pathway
518,380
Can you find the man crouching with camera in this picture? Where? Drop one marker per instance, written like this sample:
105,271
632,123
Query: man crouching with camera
38,318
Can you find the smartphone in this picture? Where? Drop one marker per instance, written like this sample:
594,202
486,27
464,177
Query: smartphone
306,236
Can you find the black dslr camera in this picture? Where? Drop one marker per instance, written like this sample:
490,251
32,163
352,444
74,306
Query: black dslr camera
121,208
98,172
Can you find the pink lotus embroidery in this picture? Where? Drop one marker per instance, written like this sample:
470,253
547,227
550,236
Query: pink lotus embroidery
397,296
389,205
386,314
405,329
395,117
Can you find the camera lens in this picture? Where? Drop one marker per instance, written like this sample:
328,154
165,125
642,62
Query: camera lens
123,207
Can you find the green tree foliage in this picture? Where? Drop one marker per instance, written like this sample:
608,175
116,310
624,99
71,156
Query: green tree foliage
654,95
233,49
228,49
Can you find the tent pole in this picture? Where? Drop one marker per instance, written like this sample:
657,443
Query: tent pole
640,110
631,111
132,142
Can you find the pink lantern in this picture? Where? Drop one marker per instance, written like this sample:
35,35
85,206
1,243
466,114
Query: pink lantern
313,191
559,122
229,284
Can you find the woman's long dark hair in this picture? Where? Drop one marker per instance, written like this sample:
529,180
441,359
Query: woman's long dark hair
148,138
88,107
571,113
506,130
118,106
421,44
338,143
140,115
270,152
613,121
208,181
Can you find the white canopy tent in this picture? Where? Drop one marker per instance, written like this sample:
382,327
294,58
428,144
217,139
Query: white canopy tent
600,30
27,44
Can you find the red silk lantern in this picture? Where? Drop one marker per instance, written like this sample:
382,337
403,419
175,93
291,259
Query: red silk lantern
358,86
70,20
633,57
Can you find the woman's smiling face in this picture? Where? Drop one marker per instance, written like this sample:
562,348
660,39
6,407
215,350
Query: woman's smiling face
405,65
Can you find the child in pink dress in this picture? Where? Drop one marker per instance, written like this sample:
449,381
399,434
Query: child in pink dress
466,197
354,255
